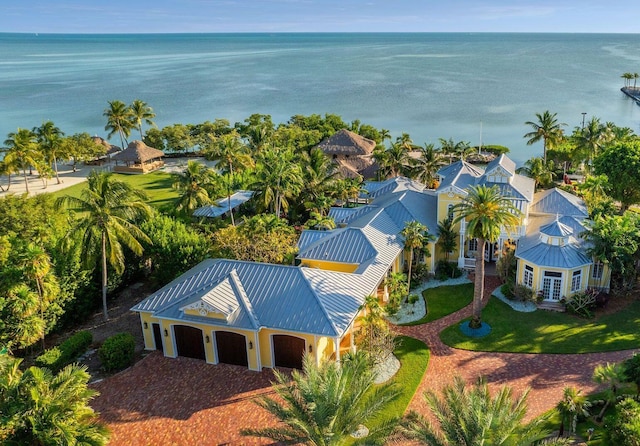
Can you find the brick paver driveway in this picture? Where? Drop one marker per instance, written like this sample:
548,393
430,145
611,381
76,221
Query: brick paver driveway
162,401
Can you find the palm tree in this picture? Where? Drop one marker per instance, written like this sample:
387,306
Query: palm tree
394,161
546,129
109,208
278,179
592,138
319,174
40,408
119,120
627,78
612,375
447,238
487,213
473,417
192,184
321,222
635,78
36,264
27,325
424,168
415,237
323,405
50,140
140,111
22,151
231,155
632,371
539,170
572,405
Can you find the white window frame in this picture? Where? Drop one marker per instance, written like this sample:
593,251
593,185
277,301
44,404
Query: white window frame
597,271
473,244
527,279
576,280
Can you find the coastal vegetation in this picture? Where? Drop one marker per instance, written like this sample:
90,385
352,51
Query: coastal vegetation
50,280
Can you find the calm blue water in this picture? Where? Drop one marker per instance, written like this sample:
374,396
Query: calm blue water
429,85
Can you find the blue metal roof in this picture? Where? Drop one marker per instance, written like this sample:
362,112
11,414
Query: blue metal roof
309,237
556,229
277,296
553,256
556,201
348,245
222,205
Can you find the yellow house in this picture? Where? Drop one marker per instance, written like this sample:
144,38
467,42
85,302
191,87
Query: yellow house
253,314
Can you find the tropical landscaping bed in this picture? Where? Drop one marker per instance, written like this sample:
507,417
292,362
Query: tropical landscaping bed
551,332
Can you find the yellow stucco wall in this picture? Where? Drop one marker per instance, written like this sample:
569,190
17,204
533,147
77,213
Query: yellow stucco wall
567,275
330,266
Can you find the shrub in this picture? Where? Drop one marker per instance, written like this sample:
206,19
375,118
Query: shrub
413,298
524,293
116,352
583,303
67,352
419,273
447,270
507,289
623,428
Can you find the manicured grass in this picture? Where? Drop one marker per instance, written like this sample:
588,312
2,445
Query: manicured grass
157,186
444,300
414,357
549,332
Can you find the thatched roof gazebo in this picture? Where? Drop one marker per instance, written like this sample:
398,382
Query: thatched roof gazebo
138,158
346,142
352,153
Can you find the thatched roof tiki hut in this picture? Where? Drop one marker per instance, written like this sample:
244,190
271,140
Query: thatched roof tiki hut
138,158
352,153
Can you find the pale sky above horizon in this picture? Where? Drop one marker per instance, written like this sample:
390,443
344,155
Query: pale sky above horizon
220,16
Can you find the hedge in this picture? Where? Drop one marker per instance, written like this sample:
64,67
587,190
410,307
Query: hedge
68,351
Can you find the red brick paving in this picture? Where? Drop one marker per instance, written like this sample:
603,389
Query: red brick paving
163,401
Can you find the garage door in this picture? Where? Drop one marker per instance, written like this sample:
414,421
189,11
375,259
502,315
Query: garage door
189,341
232,348
288,351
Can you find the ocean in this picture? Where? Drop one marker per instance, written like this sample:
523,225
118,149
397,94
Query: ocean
476,87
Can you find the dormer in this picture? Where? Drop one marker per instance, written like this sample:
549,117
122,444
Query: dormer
220,302
500,170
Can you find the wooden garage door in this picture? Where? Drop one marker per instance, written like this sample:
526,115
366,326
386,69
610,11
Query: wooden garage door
288,351
232,348
189,341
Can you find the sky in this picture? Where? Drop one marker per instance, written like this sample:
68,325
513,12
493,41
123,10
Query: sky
222,16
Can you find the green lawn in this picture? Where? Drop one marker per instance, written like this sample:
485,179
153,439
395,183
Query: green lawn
157,186
549,332
414,357
444,300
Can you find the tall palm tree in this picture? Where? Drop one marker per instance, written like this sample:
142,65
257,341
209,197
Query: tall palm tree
110,209
50,140
547,129
539,170
448,147
231,155
572,405
22,151
425,167
40,408
278,179
119,120
319,174
592,138
473,417
140,111
612,375
415,237
323,405
487,213
193,184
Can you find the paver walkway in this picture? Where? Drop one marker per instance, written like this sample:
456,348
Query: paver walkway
545,374
163,401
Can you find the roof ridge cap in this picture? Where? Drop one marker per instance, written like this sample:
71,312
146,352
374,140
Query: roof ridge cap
320,303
